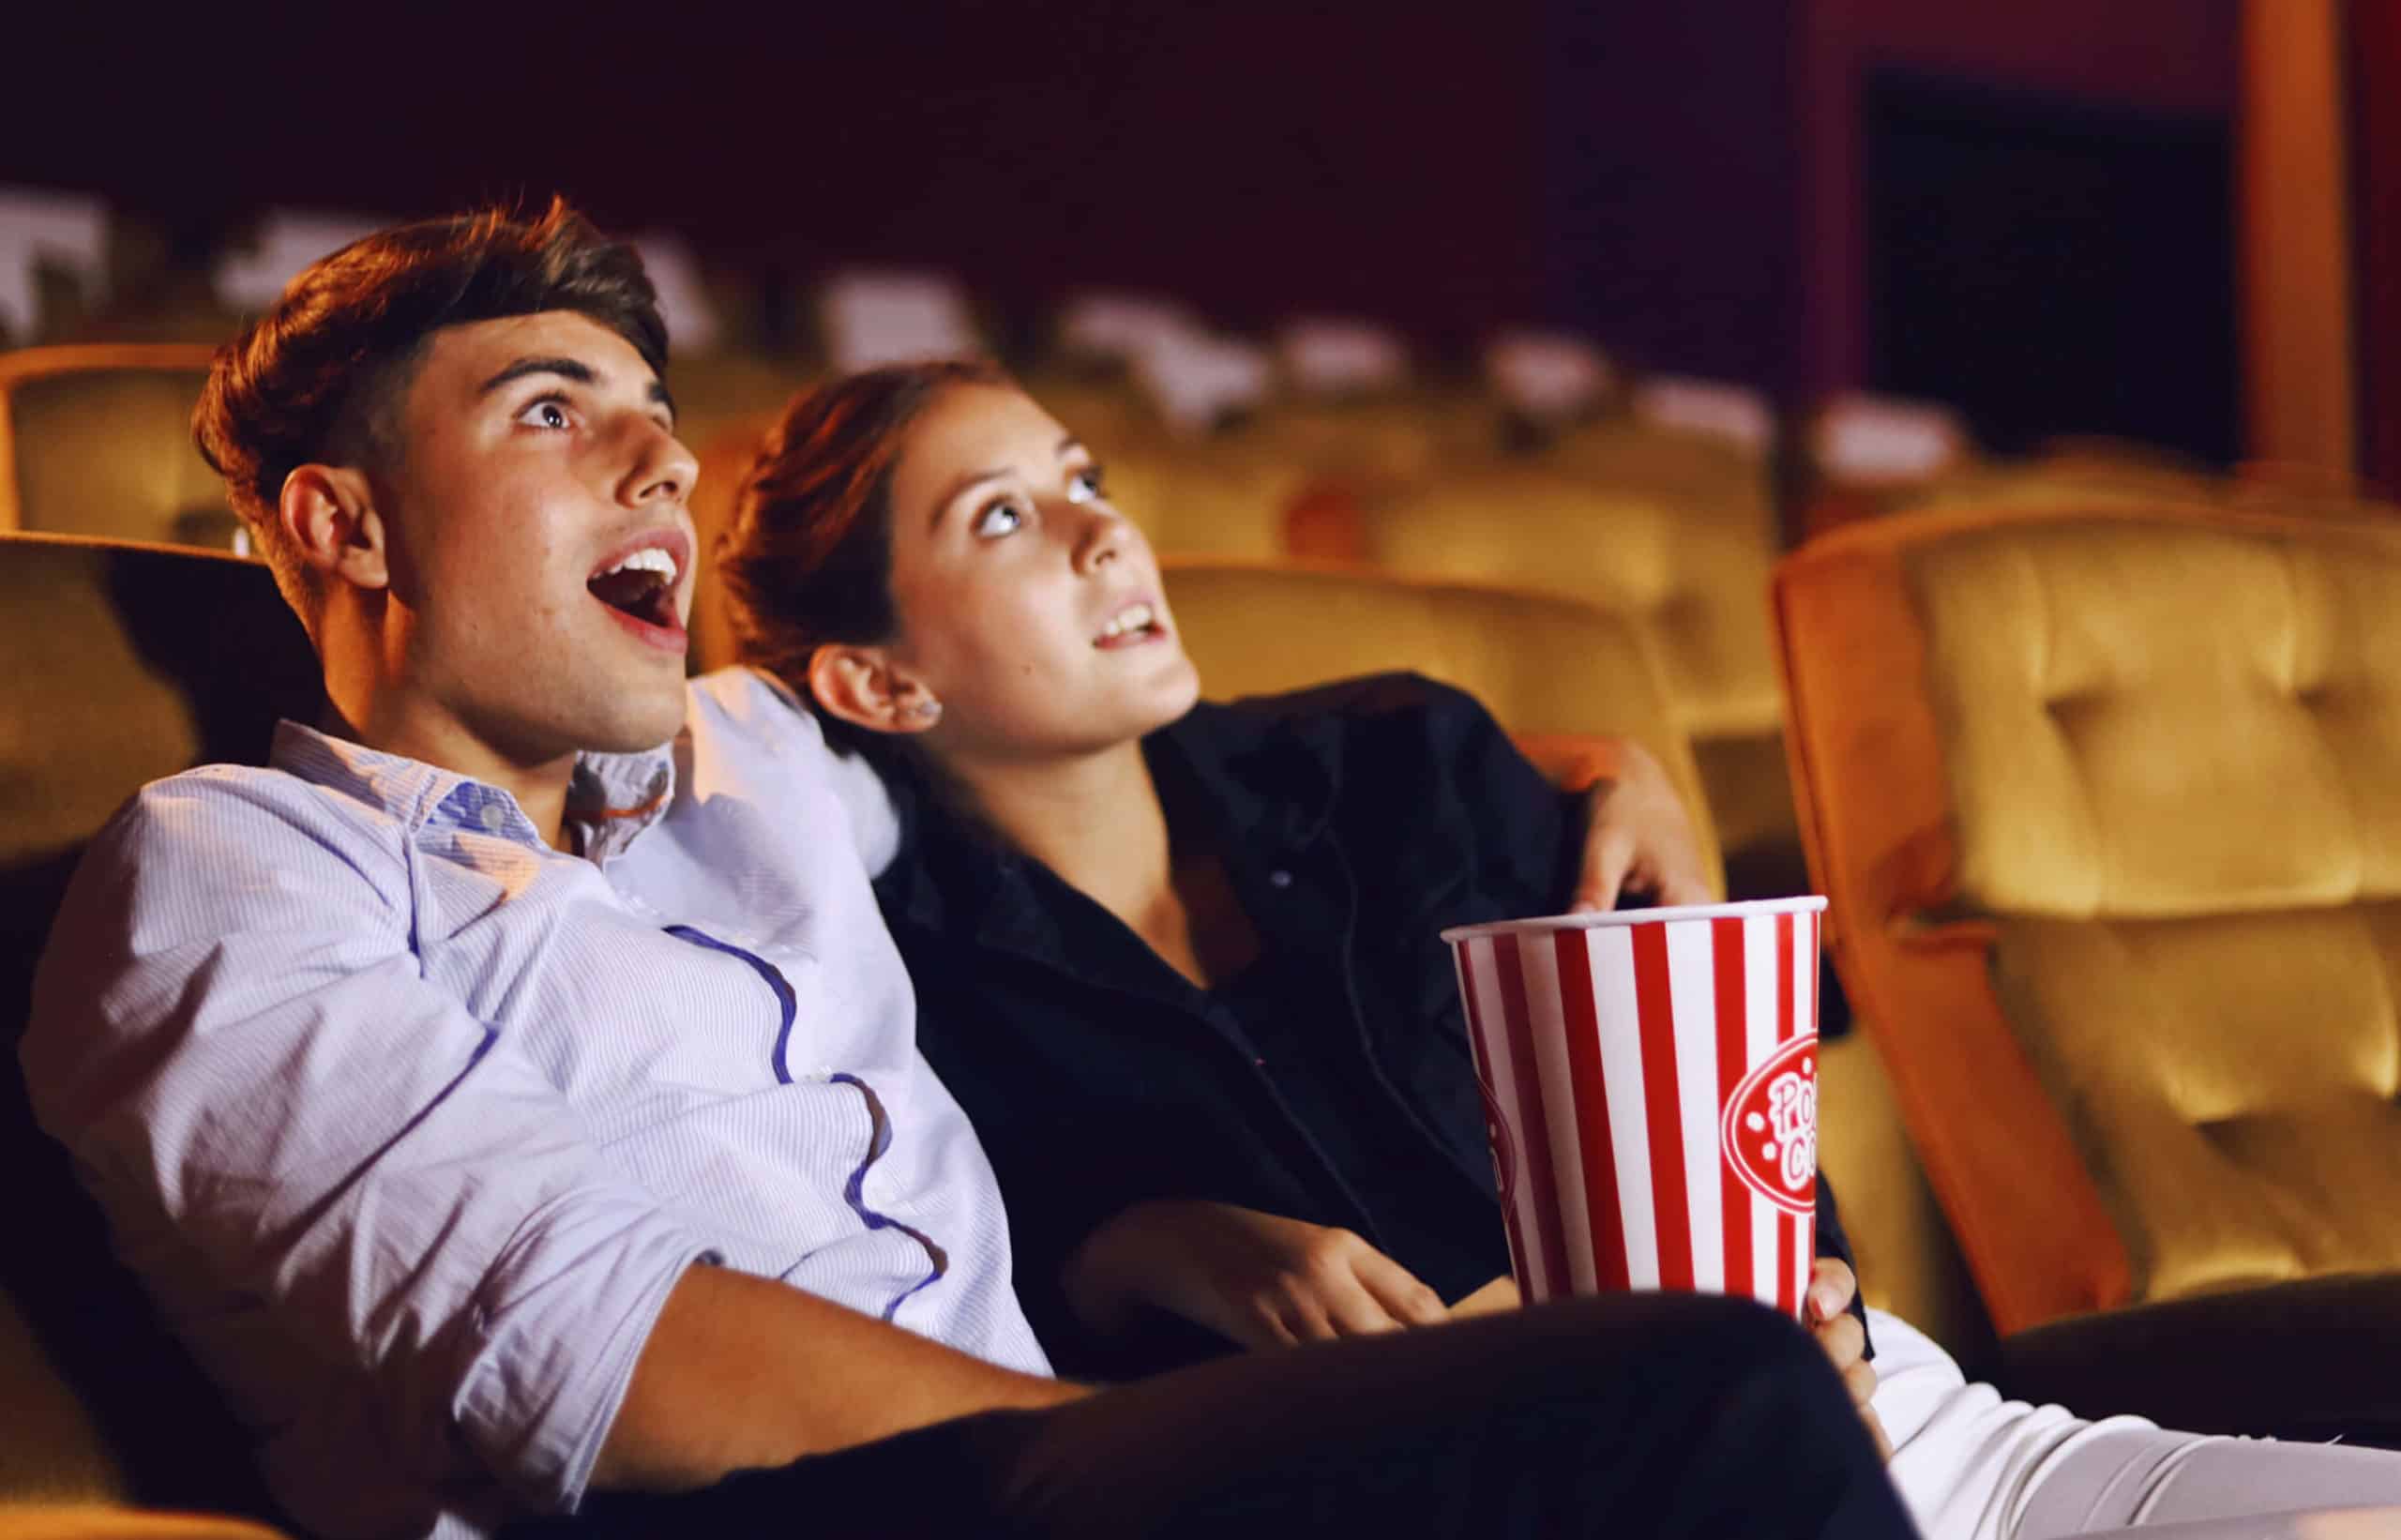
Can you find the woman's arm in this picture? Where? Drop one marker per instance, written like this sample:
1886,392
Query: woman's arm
1257,1279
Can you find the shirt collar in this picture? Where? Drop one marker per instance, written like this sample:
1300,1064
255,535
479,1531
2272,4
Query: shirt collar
1271,775
610,799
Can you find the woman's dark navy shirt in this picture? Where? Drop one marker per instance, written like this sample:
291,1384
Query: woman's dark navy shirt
1329,1082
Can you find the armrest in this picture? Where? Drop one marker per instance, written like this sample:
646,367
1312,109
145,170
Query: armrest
98,1521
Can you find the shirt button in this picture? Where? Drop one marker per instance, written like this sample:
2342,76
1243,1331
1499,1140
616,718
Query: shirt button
1279,878
492,817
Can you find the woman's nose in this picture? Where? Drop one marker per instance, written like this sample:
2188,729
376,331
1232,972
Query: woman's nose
1104,538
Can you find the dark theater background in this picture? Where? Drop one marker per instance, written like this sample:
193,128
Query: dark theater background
2024,210
1960,440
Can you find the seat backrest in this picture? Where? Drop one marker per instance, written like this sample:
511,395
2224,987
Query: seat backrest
98,441
1693,575
126,663
2109,803
1542,665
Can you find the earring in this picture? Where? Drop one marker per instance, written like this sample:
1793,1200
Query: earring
926,711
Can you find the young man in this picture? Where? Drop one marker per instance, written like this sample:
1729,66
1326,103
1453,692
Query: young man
483,1176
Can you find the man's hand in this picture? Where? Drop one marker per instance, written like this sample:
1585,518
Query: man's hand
1831,1286
1639,837
1258,1279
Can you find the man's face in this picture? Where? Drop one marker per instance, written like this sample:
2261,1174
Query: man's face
539,548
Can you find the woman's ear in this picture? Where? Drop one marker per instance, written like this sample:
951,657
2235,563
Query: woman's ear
861,685
330,514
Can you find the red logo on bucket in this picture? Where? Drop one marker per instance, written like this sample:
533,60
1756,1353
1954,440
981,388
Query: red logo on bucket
1770,1132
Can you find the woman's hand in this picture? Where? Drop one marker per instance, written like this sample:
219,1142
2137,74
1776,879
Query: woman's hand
1828,1318
1258,1279
1494,1297
1638,835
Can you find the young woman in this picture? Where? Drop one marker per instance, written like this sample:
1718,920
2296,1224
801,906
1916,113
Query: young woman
1180,962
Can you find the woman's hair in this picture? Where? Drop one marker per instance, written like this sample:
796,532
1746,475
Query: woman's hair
809,559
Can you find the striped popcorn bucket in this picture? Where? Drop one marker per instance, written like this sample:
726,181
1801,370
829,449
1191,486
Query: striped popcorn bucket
1650,1088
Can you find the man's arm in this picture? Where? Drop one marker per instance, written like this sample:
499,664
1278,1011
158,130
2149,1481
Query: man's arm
742,1372
356,1188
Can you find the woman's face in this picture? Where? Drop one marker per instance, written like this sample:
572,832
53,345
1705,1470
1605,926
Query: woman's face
1028,606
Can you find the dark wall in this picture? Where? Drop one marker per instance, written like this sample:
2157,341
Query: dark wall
1681,180
2052,268
1669,160
1256,156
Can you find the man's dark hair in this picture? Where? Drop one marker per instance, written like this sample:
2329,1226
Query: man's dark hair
317,377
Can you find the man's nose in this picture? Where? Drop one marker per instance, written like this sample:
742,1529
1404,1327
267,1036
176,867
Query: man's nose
661,468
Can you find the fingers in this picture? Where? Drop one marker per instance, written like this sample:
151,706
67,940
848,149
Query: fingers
1403,1298
1860,1380
1608,855
1844,1339
1684,887
1831,1286
1876,1431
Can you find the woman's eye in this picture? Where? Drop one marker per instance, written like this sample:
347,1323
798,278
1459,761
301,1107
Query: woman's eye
546,412
998,518
1085,487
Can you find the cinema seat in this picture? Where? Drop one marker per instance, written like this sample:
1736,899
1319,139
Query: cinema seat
1654,547
1555,673
2108,801
127,662
96,440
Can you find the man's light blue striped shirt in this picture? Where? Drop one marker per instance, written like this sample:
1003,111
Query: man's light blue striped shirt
411,1122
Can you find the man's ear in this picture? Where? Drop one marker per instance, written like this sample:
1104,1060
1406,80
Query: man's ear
864,687
329,513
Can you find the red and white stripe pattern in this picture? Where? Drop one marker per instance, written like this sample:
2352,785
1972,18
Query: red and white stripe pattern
1608,1054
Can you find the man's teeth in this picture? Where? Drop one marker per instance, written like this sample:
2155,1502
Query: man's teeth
1132,618
648,558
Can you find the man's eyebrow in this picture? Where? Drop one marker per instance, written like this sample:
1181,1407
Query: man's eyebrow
574,370
565,368
1067,442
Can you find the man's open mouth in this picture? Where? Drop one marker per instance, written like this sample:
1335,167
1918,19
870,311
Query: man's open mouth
641,583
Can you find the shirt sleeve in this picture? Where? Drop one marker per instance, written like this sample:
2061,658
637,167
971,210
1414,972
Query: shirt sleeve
345,1190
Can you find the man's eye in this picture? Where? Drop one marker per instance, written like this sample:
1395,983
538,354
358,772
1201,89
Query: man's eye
1085,486
549,412
998,518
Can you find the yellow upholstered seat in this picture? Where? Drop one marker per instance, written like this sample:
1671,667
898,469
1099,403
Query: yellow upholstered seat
1545,666
98,441
1672,530
2109,803
127,663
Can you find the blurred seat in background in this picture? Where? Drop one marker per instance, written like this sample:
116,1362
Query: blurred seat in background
97,439
127,663
1547,667
1862,455
1670,530
2108,801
